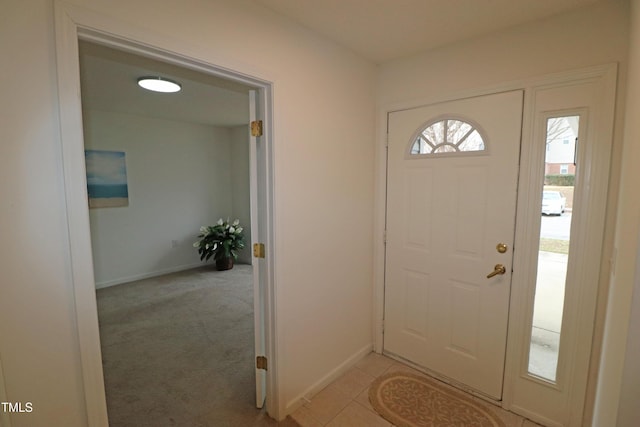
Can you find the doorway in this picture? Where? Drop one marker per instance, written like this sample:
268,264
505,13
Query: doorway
173,332
428,317
72,25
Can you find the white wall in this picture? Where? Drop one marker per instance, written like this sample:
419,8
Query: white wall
324,137
620,373
628,410
38,336
180,176
594,35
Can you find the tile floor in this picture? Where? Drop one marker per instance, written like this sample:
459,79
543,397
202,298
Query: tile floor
345,402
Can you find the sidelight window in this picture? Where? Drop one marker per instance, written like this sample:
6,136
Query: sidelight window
553,256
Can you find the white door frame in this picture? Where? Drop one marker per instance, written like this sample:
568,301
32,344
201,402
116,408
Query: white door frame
607,75
71,24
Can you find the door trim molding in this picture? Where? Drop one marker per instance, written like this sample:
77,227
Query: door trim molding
607,72
71,24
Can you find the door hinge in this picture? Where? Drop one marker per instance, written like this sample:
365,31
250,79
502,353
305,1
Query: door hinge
384,237
258,250
256,128
261,362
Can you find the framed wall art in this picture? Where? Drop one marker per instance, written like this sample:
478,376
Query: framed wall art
106,179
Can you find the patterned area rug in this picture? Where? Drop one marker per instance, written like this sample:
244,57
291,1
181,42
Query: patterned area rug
407,400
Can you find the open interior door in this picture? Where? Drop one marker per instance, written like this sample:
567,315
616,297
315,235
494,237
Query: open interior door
258,195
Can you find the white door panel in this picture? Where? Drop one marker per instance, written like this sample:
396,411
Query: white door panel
445,215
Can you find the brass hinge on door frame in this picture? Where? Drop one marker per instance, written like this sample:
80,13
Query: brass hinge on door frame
261,362
256,128
258,250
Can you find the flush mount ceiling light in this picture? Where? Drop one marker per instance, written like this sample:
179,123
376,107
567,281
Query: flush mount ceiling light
159,84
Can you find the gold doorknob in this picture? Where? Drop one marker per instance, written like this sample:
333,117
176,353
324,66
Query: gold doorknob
498,269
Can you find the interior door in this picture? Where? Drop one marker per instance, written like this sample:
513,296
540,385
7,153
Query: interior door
257,155
451,199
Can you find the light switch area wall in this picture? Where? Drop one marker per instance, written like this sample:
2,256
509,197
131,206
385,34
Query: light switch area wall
180,176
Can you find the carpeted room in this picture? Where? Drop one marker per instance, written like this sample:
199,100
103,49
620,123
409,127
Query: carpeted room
176,335
178,349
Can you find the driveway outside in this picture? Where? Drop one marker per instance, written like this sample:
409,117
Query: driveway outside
549,299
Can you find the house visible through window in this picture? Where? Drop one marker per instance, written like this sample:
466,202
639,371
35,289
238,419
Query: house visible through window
564,169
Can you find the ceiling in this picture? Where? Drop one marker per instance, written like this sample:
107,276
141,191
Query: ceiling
378,30
109,83
381,30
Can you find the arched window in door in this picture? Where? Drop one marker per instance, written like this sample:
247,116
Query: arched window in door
448,136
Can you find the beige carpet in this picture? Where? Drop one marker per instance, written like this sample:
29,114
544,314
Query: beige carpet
178,350
408,400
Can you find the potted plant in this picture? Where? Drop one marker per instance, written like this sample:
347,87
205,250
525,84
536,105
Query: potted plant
222,242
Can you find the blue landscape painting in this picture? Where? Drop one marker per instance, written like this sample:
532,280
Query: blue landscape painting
106,178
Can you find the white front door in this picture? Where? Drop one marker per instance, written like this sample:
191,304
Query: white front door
451,199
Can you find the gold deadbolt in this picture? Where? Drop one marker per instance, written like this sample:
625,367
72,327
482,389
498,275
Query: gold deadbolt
498,269
502,248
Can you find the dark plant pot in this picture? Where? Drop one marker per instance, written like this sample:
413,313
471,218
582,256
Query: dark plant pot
224,264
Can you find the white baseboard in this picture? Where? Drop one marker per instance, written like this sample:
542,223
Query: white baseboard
121,280
308,394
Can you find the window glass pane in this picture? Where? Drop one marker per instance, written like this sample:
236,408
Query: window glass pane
456,130
445,149
435,133
421,147
473,142
553,255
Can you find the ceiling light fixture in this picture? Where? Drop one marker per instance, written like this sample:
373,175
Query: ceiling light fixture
159,84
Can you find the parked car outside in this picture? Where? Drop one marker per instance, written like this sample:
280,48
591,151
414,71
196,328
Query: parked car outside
553,203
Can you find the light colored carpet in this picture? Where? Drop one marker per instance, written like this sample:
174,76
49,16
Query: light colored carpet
408,400
178,350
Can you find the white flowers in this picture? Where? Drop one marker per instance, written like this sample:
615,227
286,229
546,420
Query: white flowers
222,240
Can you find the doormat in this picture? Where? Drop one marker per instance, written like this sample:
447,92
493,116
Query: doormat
408,400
